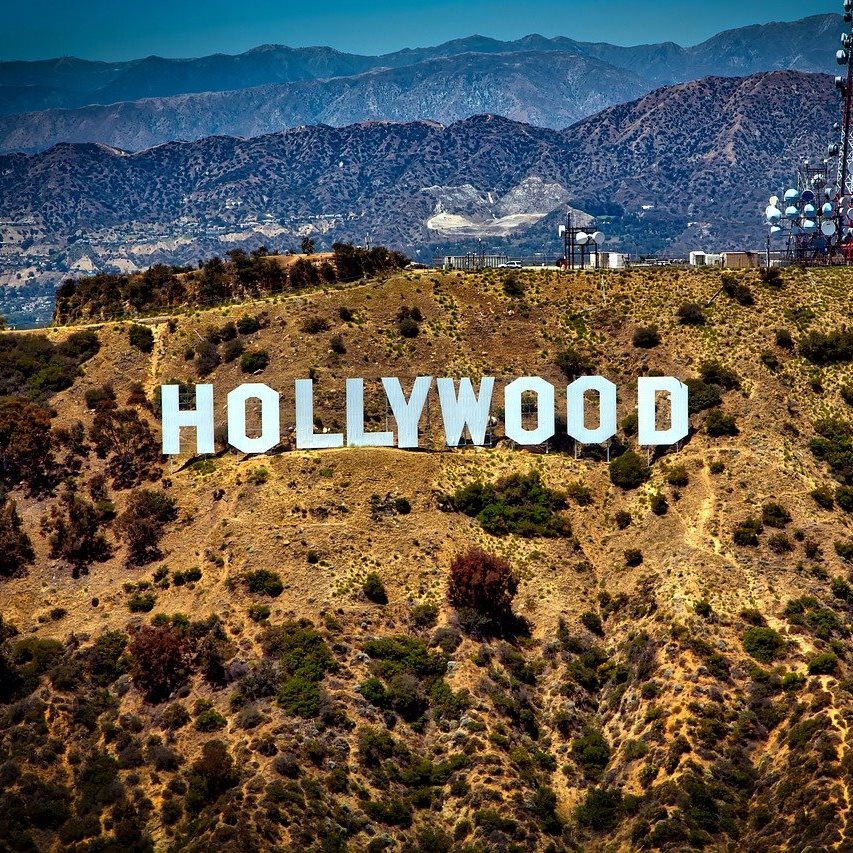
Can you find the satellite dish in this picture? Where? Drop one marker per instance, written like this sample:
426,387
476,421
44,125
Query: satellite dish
774,200
773,214
827,209
582,238
827,191
827,228
792,212
774,230
808,196
792,195
809,226
598,237
809,210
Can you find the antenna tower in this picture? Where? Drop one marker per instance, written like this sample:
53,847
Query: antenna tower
816,216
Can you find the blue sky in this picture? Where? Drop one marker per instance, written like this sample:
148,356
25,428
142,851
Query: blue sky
110,29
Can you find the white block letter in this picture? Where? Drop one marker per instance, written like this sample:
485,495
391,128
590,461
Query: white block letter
356,436
173,418
407,414
647,390
576,414
466,409
544,410
270,429
306,438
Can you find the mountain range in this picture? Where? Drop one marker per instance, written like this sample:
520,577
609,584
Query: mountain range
686,164
549,82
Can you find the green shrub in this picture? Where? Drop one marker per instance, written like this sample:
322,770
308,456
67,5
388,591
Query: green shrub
827,348
622,518
517,503
142,602
264,581
784,339
248,325
574,363
580,493
374,691
254,360
703,608
592,752
824,497
300,648
259,612
424,615
390,810
374,589
658,504
512,286
210,720
775,515
314,325
746,532
141,337
678,476
690,314
600,809
646,337
823,664
701,396
629,470
300,697
736,290
633,557
716,373
763,644
717,424
592,622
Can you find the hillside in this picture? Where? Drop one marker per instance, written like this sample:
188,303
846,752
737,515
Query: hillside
301,85
676,673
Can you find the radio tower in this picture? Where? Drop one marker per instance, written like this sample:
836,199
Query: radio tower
844,84
816,216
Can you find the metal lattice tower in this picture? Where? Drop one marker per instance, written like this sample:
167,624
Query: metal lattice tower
844,84
816,217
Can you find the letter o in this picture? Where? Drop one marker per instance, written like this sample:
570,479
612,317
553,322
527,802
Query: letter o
576,406
270,419
544,410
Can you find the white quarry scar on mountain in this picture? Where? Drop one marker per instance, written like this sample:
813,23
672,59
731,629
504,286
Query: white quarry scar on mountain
465,210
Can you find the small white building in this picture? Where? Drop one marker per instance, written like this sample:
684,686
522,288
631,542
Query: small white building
705,259
612,260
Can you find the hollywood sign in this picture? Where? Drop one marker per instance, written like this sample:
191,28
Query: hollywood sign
462,407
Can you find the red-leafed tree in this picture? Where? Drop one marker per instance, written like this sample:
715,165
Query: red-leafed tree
16,549
162,660
482,582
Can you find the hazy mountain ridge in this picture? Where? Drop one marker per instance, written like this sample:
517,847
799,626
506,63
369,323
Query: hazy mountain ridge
554,89
551,82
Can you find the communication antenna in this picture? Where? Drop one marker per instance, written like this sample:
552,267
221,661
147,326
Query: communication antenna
815,217
580,244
